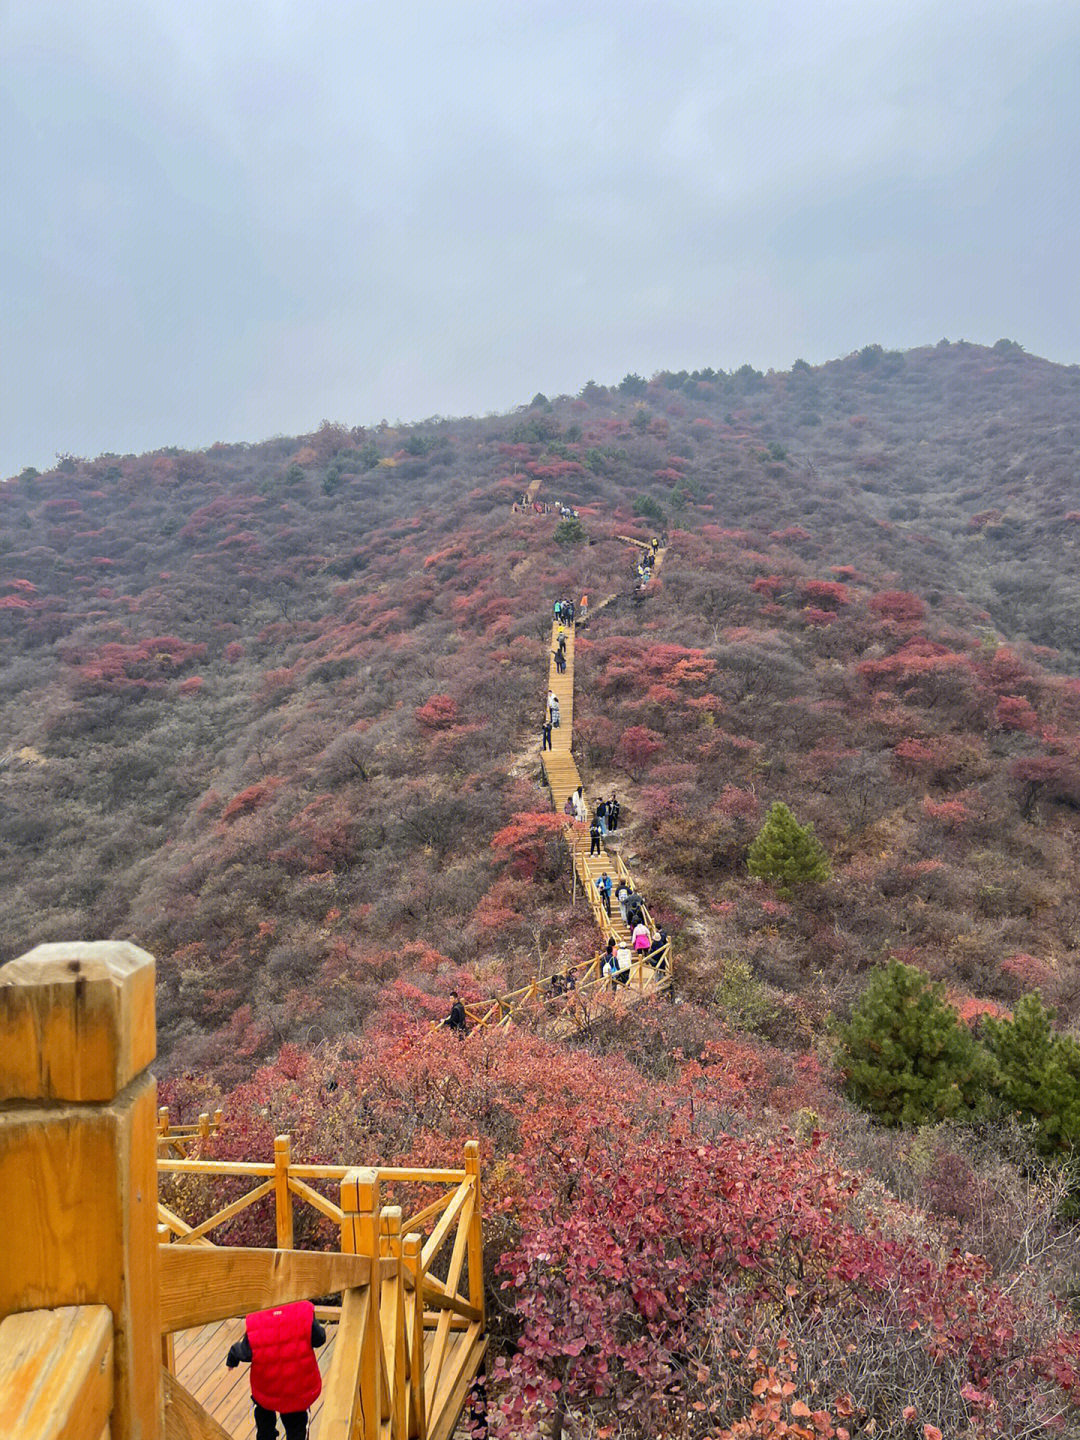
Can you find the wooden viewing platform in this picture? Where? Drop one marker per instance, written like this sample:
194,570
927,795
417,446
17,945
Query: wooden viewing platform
116,1313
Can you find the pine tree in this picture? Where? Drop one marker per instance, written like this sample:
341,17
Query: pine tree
906,1057
787,853
570,532
1038,1074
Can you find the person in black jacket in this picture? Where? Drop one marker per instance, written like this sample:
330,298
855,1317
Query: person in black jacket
456,1019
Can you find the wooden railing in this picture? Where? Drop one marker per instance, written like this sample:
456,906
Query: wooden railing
91,1303
503,1009
177,1139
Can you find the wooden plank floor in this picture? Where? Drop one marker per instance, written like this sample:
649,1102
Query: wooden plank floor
226,1394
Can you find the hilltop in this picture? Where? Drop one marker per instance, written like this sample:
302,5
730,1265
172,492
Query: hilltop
265,708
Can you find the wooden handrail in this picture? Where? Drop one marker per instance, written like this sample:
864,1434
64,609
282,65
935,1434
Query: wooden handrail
56,1373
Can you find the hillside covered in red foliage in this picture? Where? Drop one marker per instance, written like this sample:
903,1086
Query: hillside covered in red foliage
273,712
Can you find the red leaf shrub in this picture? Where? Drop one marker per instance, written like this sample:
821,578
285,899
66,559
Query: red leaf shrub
438,713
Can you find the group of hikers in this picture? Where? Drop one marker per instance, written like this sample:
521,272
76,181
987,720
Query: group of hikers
605,816
544,507
617,960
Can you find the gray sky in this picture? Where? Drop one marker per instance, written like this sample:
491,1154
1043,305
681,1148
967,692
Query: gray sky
223,221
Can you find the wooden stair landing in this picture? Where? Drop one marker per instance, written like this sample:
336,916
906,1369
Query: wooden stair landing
226,1394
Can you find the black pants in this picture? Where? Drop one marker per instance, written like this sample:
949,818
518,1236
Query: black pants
266,1424
606,898
547,741
594,847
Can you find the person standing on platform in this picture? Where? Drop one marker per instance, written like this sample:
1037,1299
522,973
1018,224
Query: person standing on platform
280,1346
594,838
545,735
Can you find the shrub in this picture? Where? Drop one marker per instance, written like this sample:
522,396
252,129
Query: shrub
438,713
905,1057
1038,1074
648,509
787,853
570,532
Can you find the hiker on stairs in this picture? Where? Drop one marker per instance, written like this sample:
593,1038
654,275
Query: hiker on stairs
603,886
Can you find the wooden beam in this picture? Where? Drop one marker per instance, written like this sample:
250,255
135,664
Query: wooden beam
341,1415
56,1373
442,1229
76,1021
446,1410
476,1230
185,1418
315,1200
199,1286
283,1216
360,1234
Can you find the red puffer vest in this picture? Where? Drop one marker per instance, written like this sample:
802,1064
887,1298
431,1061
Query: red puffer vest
284,1372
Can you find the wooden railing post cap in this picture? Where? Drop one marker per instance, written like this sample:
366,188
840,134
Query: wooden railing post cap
472,1155
76,1021
282,1144
360,1191
391,1219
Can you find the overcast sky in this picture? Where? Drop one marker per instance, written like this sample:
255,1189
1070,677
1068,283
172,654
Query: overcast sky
223,221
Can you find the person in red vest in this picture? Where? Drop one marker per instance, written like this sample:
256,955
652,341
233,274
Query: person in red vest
285,1380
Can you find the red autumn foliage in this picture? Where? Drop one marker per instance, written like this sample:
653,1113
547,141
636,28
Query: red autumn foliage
1016,712
438,713
898,605
526,840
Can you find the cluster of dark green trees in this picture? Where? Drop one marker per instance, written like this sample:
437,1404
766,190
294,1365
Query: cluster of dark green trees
908,1059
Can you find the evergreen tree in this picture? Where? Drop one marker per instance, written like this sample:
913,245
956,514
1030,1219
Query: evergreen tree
1038,1074
905,1056
570,532
787,853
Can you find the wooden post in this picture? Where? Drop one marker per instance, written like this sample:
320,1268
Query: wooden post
78,1168
360,1228
168,1344
218,1117
476,1230
163,1120
392,1314
412,1250
204,1124
283,1208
